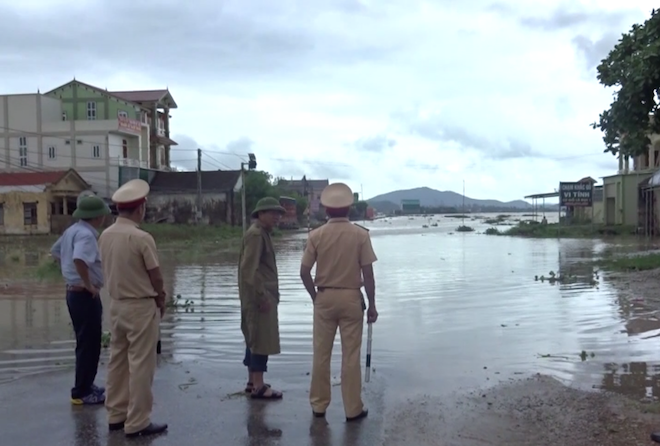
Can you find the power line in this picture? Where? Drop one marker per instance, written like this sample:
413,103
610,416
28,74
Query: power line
336,164
243,156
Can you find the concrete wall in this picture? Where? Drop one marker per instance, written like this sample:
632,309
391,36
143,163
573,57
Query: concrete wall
12,203
599,217
623,192
180,208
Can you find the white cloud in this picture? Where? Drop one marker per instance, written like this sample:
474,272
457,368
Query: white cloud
386,94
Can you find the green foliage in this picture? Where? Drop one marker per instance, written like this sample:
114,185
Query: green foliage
626,263
165,233
358,211
260,184
531,228
48,270
634,67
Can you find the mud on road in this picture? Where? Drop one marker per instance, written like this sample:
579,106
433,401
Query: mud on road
536,411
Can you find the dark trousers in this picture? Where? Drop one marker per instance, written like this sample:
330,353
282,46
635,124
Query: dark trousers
86,313
255,363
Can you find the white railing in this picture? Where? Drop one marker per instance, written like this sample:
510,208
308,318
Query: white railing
130,162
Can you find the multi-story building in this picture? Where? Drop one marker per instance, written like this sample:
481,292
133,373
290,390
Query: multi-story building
105,137
310,189
624,196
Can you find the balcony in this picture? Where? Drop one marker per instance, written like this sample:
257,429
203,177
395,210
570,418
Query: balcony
121,125
129,162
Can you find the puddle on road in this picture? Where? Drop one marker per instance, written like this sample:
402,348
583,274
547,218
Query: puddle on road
456,310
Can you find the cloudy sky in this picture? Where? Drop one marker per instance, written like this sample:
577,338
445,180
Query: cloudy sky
381,94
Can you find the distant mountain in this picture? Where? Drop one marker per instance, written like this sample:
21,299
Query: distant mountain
434,198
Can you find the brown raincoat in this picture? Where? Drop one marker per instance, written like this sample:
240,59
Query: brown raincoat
257,281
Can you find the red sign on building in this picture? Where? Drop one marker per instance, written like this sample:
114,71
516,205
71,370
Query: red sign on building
130,125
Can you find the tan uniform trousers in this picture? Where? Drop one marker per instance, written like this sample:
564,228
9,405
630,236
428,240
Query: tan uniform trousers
134,327
337,308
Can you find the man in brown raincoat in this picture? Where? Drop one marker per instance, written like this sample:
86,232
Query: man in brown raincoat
258,288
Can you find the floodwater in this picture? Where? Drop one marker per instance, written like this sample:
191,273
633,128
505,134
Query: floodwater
456,309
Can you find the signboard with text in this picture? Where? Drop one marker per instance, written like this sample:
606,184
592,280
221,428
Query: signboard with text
576,194
129,125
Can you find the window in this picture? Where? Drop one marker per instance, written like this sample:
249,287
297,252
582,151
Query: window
2,214
96,151
29,213
22,151
122,114
124,148
91,111
67,142
64,116
51,152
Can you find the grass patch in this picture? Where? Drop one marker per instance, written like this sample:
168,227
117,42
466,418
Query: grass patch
49,270
626,263
492,231
464,228
497,220
457,216
530,228
194,241
165,232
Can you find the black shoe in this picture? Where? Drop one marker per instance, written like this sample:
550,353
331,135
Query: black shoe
319,414
152,429
363,414
116,426
655,436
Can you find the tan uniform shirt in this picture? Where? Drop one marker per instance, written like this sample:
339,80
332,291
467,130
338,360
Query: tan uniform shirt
127,253
340,249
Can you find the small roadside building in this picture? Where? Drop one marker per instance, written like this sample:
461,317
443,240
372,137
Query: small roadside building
174,197
38,202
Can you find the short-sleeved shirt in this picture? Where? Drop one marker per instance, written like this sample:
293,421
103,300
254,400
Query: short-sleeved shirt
340,249
127,254
79,242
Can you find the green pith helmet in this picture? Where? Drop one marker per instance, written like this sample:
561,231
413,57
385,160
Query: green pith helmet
91,207
267,204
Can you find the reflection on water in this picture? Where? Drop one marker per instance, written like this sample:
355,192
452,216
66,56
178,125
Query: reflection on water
461,307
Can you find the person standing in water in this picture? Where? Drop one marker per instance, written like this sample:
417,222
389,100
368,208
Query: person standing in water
258,288
137,303
344,260
77,251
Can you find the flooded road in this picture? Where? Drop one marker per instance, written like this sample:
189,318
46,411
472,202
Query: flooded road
456,310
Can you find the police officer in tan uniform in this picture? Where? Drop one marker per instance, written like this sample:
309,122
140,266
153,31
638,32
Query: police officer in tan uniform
344,261
137,303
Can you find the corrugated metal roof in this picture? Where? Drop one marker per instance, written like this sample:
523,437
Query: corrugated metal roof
31,178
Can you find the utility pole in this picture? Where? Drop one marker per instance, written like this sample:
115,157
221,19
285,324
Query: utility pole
251,165
364,215
199,186
243,205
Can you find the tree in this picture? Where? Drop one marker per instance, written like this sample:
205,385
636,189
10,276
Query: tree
260,184
633,66
359,211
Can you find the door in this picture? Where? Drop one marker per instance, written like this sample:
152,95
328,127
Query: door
610,211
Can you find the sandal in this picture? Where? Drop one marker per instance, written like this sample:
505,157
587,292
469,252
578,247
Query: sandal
250,387
261,393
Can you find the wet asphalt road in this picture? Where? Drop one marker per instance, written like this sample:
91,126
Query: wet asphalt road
201,407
